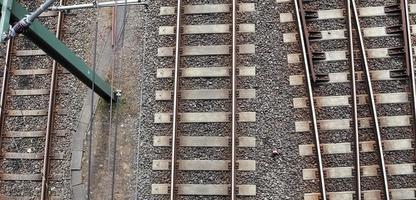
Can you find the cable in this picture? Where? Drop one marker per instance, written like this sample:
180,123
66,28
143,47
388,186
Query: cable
92,105
119,44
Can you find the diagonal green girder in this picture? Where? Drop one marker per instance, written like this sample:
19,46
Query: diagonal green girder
47,41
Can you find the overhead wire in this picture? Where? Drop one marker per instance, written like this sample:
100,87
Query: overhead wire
119,45
112,122
90,135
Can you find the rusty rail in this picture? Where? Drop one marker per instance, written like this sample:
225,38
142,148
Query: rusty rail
5,82
50,122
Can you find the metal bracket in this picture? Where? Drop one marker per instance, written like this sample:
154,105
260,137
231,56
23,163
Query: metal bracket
47,41
118,93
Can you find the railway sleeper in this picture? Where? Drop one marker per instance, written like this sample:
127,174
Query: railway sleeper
205,72
207,29
31,156
343,77
21,113
395,194
203,141
204,165
210,50
340,13
340,34
366,171
29,177
207,9
364,123
204,117
345,100
365,147
32,134
204,189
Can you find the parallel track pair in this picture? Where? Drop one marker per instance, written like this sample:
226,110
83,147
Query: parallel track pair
179,139
15,87
176,90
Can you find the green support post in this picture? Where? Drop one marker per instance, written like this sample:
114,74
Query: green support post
6,9
47,41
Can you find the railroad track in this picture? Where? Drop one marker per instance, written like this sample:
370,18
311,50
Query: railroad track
32,165
204,121
371,137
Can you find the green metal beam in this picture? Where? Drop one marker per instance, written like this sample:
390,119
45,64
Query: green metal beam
47,41
6,10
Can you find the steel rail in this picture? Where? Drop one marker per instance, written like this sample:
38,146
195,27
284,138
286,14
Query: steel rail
311,100
234,100
175,99
371,99
5,82
51,116
411,68
354,102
